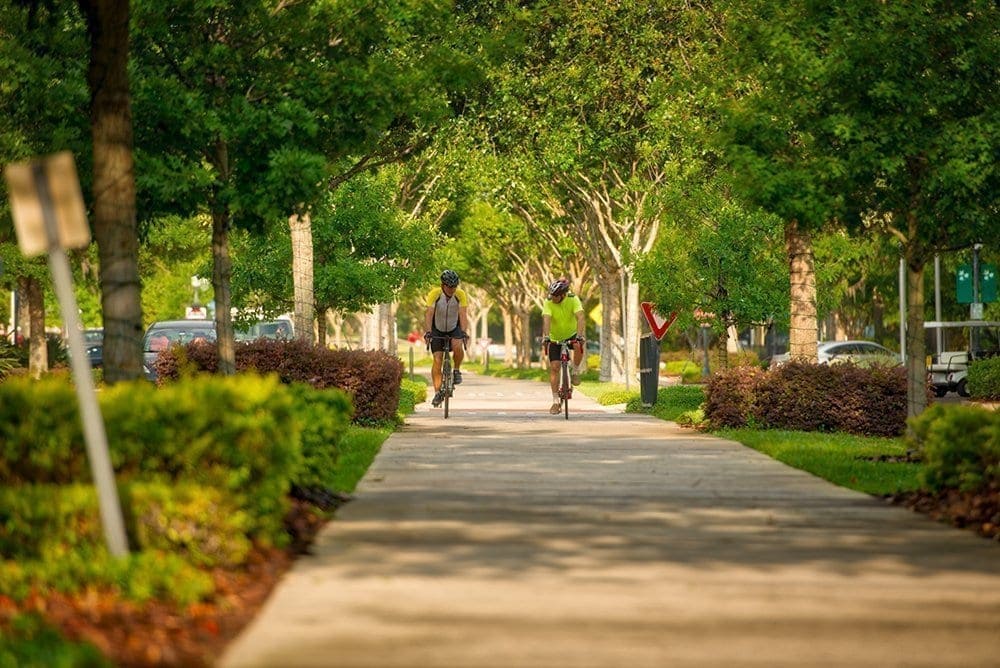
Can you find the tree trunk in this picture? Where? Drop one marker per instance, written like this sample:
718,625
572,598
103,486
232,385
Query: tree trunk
34,310
612,339
508,337
802,334
302,276
114,208
222,272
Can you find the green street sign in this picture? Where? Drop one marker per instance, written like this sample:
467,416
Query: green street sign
987,283
963,284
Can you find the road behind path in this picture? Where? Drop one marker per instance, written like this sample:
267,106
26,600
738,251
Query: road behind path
508,537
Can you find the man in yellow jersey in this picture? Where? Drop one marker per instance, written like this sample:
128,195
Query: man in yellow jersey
446,315
562,318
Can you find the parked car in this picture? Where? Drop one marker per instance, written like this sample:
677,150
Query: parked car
165,333
93,341
281,329
859,352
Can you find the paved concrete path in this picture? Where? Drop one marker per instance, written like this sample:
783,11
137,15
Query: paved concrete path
507,537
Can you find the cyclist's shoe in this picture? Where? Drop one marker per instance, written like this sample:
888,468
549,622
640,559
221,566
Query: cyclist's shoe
555,408
438,398
574,378
457,377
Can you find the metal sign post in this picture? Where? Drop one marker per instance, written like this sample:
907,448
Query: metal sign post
48,214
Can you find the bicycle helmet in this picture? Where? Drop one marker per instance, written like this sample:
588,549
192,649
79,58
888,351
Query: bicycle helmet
449,278
560,286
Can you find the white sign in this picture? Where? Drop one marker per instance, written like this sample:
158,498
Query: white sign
64,193
195,313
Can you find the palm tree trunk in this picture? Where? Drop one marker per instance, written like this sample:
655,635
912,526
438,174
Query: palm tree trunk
802,333
302,275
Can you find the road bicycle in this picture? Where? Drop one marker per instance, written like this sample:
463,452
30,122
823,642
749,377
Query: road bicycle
565,374
447,373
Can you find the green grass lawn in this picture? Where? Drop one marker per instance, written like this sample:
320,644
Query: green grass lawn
358,448
846,460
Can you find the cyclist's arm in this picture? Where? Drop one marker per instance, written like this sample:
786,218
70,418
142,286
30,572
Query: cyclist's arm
581,325
463,319
546,326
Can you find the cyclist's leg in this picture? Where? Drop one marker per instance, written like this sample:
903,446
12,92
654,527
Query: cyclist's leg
457,355
554,367
579,356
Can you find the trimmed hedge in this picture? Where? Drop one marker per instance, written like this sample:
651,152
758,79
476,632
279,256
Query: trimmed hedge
239,434
371,377
46,522
810,397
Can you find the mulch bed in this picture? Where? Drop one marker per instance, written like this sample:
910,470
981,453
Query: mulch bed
978,511
159,633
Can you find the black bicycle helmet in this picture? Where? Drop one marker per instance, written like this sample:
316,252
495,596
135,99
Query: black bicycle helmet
560,286
449,278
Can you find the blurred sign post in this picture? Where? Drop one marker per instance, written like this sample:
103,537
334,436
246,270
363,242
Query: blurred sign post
48,213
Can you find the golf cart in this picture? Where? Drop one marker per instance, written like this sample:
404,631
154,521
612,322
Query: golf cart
948,369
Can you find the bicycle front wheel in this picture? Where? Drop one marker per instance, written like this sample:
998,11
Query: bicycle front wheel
565,388
447,382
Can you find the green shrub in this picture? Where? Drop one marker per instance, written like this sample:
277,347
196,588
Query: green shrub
324,416
38,520
983,379
30,642
141,576
198,523
239,434
411,393
960,447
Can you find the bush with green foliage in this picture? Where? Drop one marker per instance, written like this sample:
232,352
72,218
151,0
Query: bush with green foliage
371,377
239,434
324,416
31,642
202,524
959,445
411,393
983,379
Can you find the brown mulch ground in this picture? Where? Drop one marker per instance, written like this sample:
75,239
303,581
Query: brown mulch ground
165,635
979,512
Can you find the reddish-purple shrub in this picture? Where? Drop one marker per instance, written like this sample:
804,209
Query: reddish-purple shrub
730,396
811,397
372,377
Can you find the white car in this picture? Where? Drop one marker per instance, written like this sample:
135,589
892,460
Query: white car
860,352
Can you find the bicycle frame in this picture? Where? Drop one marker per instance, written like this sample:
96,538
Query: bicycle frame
565,384
447,377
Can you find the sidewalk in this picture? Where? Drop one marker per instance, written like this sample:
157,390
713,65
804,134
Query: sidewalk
508,537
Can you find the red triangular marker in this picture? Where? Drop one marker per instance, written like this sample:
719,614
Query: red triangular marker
657,323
